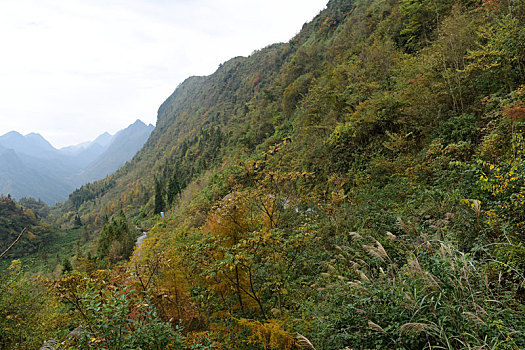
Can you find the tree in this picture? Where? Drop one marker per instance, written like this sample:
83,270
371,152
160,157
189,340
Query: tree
113,315
251,249
78,221
66,266
159,197
173,188
29,315
117,240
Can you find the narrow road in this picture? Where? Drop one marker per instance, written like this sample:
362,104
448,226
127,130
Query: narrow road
141,238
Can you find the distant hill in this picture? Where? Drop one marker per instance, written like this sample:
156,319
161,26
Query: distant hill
121,148
31,144
17,178
31,167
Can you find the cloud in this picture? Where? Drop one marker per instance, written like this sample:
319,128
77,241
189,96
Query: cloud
73,69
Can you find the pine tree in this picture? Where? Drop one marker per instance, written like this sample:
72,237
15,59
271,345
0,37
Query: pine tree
66,266
173,188
78,221
159,197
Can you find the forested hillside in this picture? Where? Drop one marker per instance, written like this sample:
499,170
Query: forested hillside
21,224
359,187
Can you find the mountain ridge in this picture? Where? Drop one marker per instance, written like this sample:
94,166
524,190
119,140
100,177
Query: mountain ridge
31,157
359,187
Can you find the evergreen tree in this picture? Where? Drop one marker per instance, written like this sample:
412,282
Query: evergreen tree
117,240
66,266
78,221
159,197
173,188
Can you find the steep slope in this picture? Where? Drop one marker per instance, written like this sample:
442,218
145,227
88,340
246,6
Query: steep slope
20,180
191,121
361,185
13,220
245,102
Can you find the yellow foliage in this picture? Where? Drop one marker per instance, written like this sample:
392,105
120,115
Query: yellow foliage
270,334
157,265
15,266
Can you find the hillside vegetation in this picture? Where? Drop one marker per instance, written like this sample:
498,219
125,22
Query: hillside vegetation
359,187
15,219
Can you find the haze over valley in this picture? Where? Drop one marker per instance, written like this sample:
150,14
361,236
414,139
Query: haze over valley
31,167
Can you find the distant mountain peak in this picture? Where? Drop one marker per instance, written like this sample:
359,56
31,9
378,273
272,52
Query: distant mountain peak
12,134
32,144
104,139
37,137
31,166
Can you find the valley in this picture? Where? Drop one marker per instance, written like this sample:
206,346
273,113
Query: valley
360,186
32,167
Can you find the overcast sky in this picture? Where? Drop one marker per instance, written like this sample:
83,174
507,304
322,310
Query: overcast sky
72,69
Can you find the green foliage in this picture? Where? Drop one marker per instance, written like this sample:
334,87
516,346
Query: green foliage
28,315
174,188
421,19
462,128
438,297
159,197
40,208
284,174
498,61
116,241
109,325
78,221
89,192
13,220
113,317
66,266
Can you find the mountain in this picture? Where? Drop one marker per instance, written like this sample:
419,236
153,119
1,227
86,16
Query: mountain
118,150
31,167
32,144
360,186
17,178
104,139
100,143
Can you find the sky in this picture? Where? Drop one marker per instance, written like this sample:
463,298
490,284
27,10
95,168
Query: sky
71,70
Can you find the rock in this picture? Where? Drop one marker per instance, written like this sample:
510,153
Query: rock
75,333
49,345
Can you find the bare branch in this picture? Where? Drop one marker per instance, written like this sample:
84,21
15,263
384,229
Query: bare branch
12,244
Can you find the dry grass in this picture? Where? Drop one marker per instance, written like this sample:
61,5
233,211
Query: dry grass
355,236
377,252
391,236
363,277
303,342
413,328
375,327
475,318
